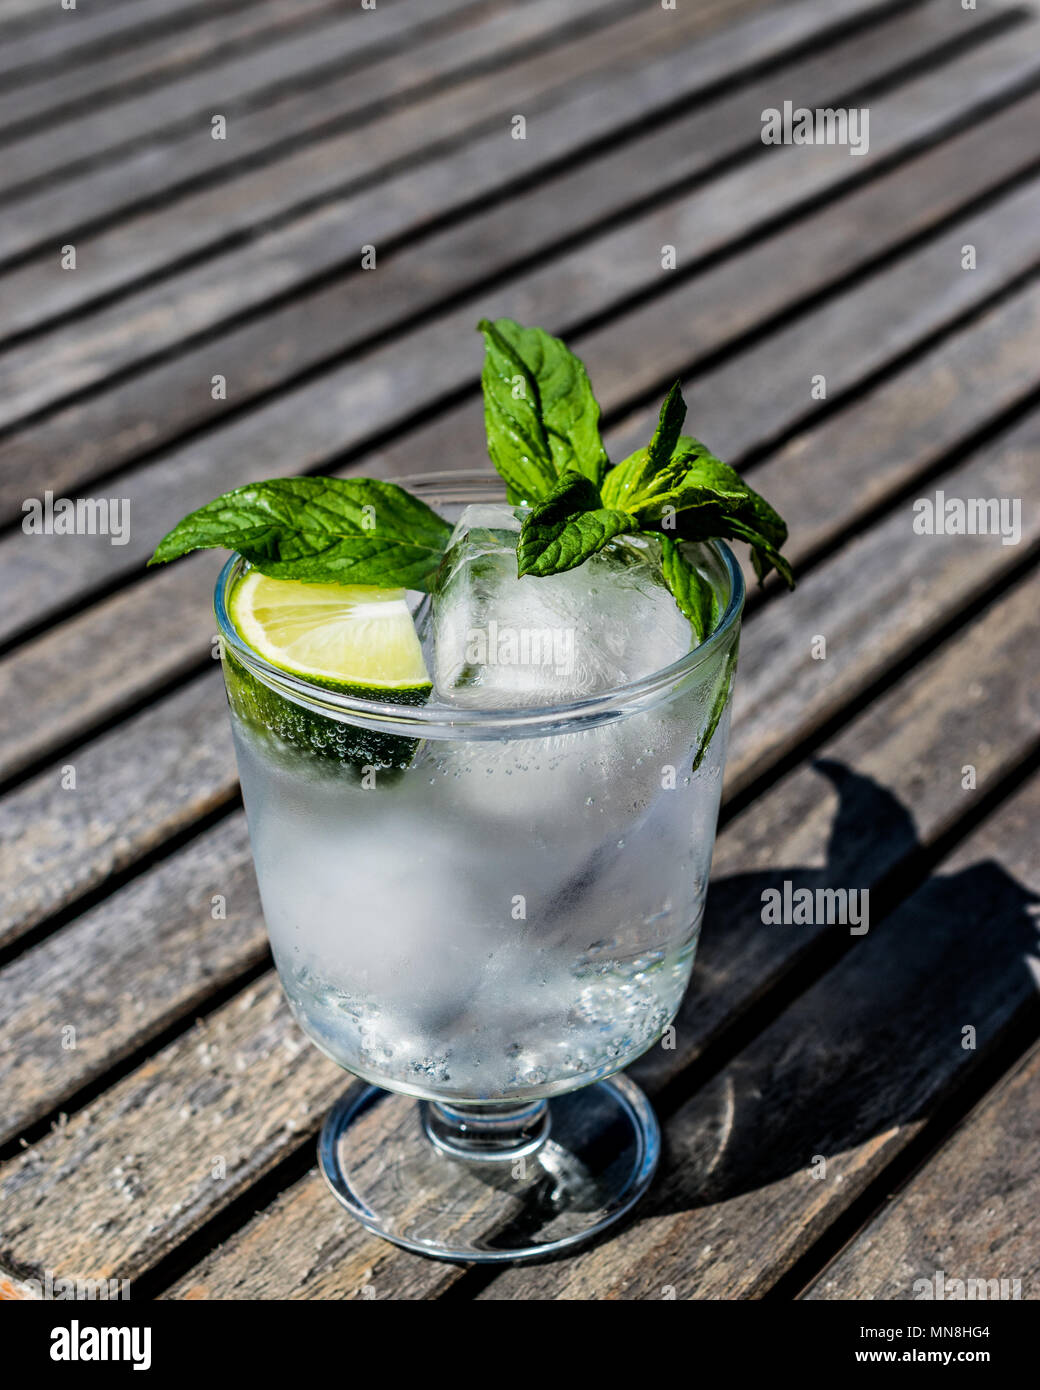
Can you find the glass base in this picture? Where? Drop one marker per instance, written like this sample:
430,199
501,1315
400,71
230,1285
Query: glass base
488,1183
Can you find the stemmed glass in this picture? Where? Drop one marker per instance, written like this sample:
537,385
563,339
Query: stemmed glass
485,915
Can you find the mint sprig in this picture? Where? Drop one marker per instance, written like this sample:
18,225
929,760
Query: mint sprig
675,489
543,436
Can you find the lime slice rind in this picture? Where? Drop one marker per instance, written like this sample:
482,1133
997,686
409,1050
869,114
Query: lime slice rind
357,642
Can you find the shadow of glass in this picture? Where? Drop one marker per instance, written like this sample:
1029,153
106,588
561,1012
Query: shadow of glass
876,1043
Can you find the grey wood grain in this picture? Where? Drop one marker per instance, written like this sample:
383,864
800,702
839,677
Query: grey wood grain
656,73
287,116
901,303
166,1147
19,15
141,960
167,1097
73,36
890,580
150,59
972,1212
134,787
94,666
898,307
849,1073
905,425
152,405
344,36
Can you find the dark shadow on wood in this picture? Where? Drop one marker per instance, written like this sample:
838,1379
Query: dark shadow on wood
859,1057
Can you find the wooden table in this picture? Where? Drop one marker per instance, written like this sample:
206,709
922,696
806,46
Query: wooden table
844,1114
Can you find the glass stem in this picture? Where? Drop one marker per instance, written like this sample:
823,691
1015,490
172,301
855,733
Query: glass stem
482,1133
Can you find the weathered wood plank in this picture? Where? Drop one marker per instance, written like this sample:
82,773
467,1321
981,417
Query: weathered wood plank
152,406
123,1180
134,787
73,36
89,669
159,168
150,59
848,1074
137,963
904,426
18,15
936,712
656,73
319,1252
899,306
903,580
973,1212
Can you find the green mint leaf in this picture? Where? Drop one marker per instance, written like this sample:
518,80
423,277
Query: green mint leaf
540,414
567,527
696,496
691,591
764,555
649,470
703,469
628,480
720,699
323,530
669,429
677,486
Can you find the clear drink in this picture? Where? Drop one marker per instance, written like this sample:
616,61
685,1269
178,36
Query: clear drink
480,907
504,920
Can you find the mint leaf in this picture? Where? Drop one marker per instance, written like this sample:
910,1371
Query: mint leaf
640,475
691,591
764,555
322,530
677,485
698,497
720,699
628,480
567,527
540,414
669,429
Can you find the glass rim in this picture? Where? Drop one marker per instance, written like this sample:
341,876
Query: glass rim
525,721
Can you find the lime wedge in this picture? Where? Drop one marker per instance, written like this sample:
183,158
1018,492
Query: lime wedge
354,637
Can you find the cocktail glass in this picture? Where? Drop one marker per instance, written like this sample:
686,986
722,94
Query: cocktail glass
485,915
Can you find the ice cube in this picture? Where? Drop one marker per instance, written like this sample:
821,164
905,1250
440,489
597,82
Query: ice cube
503,642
